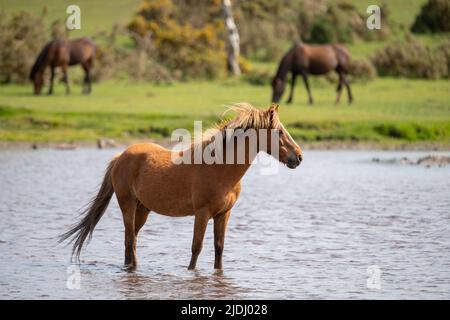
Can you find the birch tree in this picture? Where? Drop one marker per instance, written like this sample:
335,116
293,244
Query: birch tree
233,39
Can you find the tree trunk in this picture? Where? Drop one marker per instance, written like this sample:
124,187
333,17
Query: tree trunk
233,39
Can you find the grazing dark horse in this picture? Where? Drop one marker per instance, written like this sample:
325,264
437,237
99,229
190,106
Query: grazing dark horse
63,53
304,59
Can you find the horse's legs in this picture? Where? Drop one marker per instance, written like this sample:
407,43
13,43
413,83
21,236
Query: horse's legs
87,78
339,88
291,95
52,77
201,221
140,218
220,227
128,206
305,80
347,84
66,78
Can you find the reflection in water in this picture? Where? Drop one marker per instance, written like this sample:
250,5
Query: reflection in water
313,232
136,285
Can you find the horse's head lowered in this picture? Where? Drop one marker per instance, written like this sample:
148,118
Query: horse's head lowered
277,89
38,81
37,76
279,143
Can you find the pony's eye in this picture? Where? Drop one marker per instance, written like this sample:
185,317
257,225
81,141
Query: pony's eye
281,132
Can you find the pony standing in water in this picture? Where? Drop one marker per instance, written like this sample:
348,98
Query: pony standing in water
304,59
63,53
145,178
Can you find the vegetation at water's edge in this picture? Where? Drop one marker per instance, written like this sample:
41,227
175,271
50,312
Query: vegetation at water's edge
387,111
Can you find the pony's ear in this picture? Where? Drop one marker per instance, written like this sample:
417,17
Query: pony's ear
274,107
273,112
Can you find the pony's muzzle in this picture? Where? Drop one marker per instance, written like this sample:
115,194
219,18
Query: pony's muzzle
294,162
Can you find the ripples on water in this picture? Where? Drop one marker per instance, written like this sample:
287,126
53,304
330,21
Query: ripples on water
306,233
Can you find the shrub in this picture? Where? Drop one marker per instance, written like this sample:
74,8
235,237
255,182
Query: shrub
322,31
265,26
21,39
444,50
138,63
187,42
433,17
339,22
259,78
411,60
362,69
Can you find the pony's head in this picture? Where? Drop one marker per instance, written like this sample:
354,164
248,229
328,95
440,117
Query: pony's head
277,89
38,81
37,70
288,151
279,143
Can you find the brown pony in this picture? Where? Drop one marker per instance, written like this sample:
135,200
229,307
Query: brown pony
145,178
307,59
63,53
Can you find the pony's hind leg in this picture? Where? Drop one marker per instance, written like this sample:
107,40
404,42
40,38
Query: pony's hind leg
339,88
349,91
87,78
305,80
128,205
140,218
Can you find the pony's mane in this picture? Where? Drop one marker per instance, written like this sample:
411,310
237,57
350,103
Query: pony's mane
248,117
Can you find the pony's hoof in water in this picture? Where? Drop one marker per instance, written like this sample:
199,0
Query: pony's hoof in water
129,268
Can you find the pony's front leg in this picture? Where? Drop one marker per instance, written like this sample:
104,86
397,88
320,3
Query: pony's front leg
291,94
220,227
201,221
66,78
52,78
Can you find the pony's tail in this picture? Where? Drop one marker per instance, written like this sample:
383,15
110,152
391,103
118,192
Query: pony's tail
92,214
39,61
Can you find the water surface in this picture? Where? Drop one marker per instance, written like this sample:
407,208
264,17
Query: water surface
313,232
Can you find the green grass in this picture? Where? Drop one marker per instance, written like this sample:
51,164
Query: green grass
96,15
102,14
386,111
403,12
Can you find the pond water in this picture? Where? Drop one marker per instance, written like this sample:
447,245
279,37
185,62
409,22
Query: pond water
339,226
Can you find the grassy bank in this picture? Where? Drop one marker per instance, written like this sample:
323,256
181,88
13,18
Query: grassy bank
386,111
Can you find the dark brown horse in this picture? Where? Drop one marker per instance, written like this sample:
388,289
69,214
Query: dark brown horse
304,59
63,53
